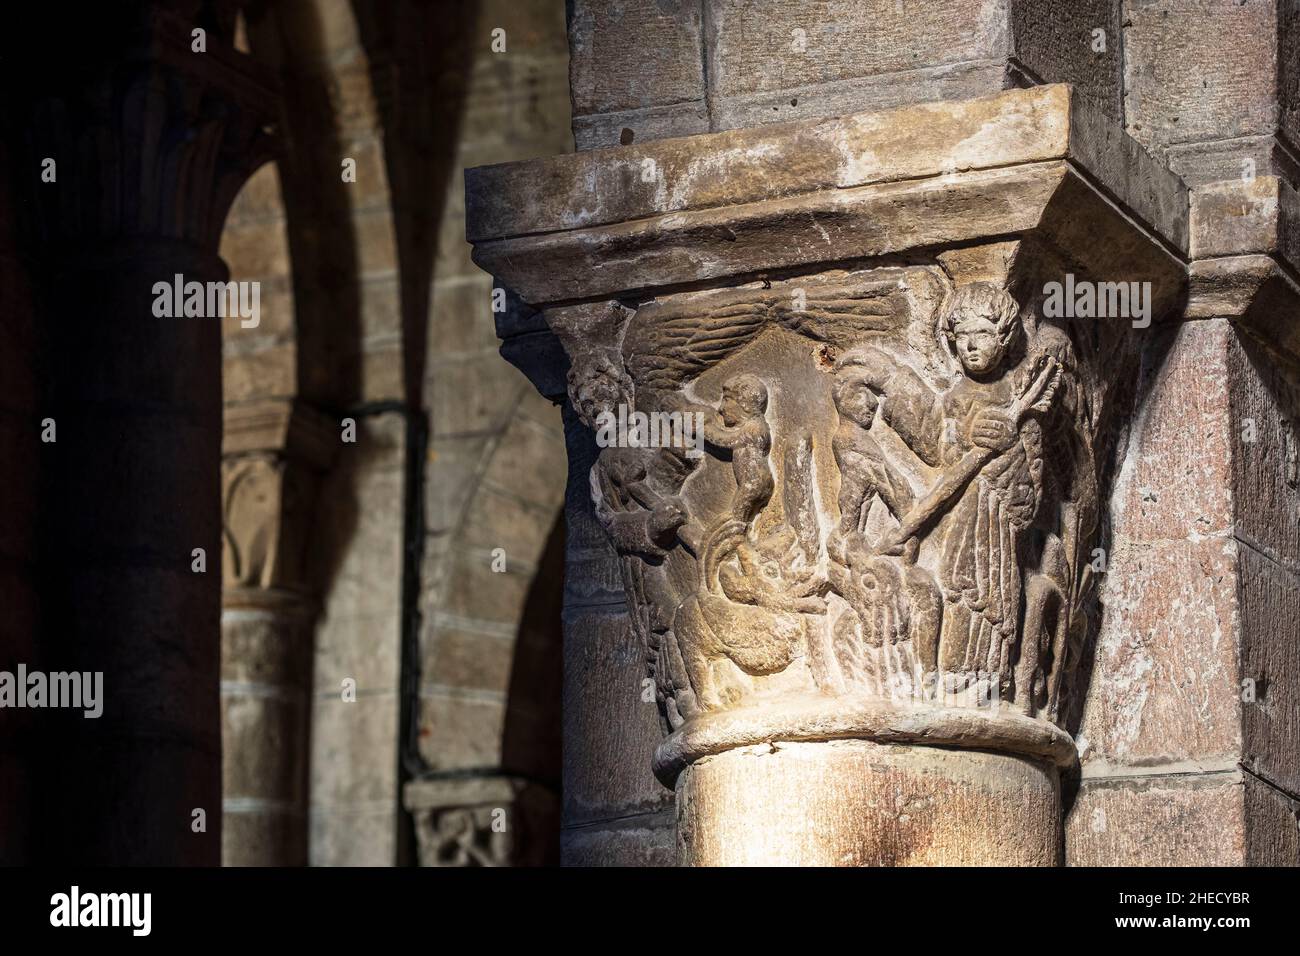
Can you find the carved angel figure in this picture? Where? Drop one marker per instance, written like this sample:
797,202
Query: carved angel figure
983,435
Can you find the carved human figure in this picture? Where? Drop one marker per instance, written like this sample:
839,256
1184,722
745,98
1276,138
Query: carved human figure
638,518
740,426
984,437
864,469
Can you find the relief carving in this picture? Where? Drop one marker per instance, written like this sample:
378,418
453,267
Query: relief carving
896,505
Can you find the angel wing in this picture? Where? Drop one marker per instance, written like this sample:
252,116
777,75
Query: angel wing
671,345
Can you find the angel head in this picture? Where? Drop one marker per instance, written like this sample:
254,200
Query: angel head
743,398
981,323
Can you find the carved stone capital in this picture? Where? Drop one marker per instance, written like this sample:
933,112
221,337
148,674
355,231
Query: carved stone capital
272,455
855,421
481,821
162,134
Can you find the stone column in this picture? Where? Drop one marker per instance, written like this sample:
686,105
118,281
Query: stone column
856,525
1188,737
273,455
144,139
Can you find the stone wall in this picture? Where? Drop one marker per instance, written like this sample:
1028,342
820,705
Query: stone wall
1181,716
372,312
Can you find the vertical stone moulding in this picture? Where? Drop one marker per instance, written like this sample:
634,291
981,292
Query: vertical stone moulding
851,460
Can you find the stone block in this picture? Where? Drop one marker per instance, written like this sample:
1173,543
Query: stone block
771,46
451,478
461,317
465,659
477,592
256,249
460,730
1270,637
1059,42
640,126
263,737
495,520
605,79
610,731
1159,821
253,837
1265,408
1171,93
354,747
270,372
646,839
472,394
365,836
1272,826
1175,481
1164,686
529,463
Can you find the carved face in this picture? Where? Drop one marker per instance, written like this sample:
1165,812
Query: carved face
979,347
743,398
858,403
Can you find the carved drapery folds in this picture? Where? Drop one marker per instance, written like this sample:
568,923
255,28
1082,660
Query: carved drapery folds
852,460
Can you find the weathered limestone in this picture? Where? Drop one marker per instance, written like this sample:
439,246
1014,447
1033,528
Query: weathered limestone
875,538
917,806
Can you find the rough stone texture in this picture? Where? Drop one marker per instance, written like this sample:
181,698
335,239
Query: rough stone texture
753,165
742,63
611,728
884,191
641,840
603,80
854,803
1172,97
1223,818
1200,603
1194,820
354,746
1236,217
1058,40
